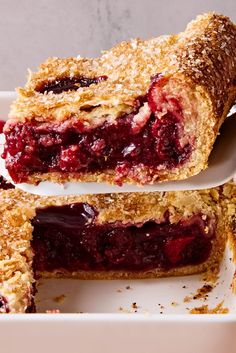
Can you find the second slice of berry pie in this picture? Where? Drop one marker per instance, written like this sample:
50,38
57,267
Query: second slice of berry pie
144,112
127,235
111,236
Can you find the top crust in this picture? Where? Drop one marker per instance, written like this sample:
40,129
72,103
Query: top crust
118,207
204,56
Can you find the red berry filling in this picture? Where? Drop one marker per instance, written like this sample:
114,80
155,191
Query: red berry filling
143,138
2,123
4,308
68,237
4,184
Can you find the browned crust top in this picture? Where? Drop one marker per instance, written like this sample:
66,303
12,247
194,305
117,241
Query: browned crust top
122,207
204,55
210,45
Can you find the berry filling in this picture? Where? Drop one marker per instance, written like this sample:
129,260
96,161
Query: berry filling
4,184
2,123
69,238
4,308
149,139
69,84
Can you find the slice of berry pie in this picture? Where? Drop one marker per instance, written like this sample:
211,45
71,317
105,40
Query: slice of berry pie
146,111
113,236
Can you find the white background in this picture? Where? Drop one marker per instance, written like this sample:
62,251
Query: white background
32,30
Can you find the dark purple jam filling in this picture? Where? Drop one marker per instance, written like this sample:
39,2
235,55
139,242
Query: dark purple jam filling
4,308
68,238
4,184
70,84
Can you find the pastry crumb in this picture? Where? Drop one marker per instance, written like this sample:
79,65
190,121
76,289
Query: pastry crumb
126,311
204,309
201,293
211,275
174,304
60,299
134,305
187,299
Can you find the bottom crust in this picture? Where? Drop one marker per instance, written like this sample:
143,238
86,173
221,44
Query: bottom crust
210,266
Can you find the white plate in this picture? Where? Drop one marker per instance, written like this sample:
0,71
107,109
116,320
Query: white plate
222,167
